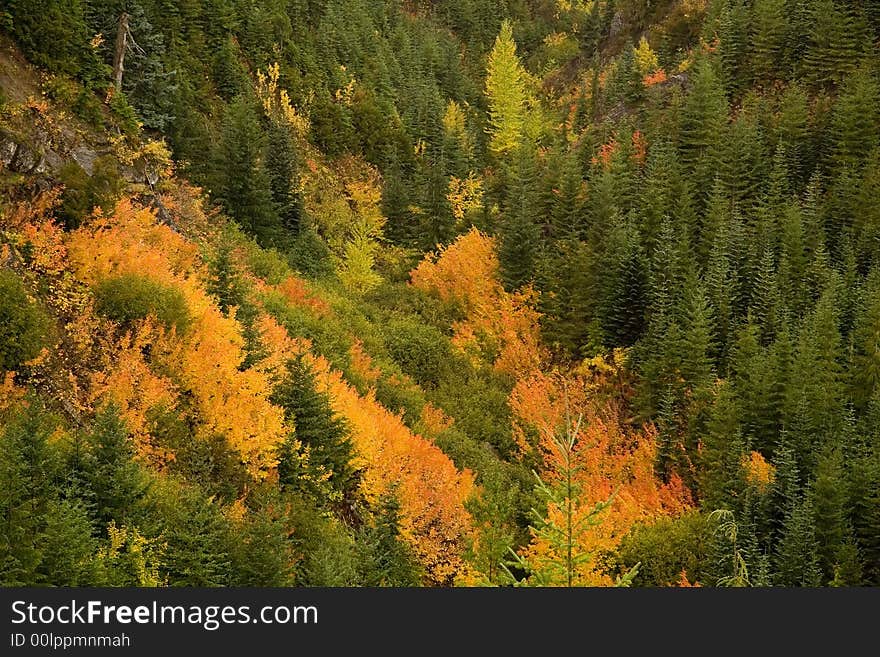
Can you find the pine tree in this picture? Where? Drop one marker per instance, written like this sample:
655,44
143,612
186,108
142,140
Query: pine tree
28,484
319,429
733,34
282,166
829,510
720,457
797,561
769,26
702,122
817,389
865,368
115,483
856,120
242,185
386,559
624,289
520,237
835,38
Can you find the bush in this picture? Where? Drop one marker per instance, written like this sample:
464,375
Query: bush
664,550
83,193
124,114
24,326
422,351
130,297
309,254
71,94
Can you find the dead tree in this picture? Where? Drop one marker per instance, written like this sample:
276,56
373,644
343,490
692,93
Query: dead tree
122,35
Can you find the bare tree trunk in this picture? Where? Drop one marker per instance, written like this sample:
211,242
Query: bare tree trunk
119,54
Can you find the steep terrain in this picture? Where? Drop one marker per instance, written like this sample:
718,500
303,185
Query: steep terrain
440,293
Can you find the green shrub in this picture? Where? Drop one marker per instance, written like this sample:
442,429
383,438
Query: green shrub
421,350
124,114
268,264
130,297
24,326
83,193
664,550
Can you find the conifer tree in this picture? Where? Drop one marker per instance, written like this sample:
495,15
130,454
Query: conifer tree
506,92
115,482
242,185
797,561
319,429
519,246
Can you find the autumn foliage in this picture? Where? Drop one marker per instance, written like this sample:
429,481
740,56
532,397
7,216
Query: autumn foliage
498,326
611,459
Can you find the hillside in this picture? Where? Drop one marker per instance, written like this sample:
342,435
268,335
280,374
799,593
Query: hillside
356,293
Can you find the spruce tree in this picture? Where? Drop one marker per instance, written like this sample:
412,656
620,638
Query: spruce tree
241,184
319,429
520,236
115,483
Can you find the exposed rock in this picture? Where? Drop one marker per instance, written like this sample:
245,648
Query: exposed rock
7,150
25,160
54,162
85,157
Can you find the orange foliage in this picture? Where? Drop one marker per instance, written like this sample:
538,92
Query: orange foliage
640,147
279,347
432,492
434,420
295,290
684,582
657,77
362,364
10,393
612,459
498,326
205,362
606,152
129,381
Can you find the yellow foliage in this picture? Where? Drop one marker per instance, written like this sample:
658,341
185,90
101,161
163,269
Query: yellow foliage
646,58
465,196
129,381
758,471
431,491
499,326
205,362
276,101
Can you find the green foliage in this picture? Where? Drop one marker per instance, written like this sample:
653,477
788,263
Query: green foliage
84,193
386,559
24,325
29,470
114,483
421,350
242,185
129,297
664,550
323,433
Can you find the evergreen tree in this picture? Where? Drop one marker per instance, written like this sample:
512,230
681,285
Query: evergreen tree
115,484
28,487
797,561
386,560
282,166
242,185
318,429
520,236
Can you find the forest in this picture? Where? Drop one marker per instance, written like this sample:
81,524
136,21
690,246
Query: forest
440,293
